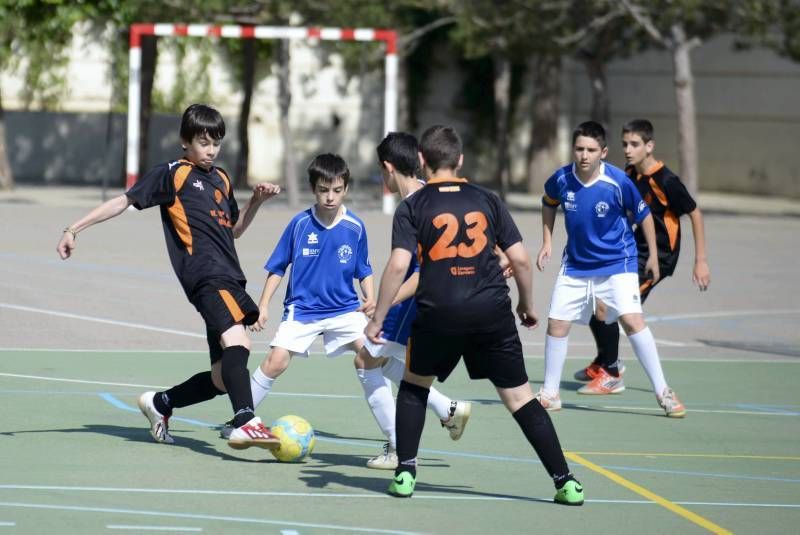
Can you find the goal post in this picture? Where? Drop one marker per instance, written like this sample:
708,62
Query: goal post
389,37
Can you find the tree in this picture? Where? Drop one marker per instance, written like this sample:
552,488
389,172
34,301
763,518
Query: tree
680,26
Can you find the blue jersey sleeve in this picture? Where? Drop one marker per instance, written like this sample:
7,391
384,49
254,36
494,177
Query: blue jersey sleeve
633,202
551,193
363,267
281,256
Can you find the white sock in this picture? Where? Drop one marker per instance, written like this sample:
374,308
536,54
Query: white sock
555,353
438,403
644,346
260,386
378,393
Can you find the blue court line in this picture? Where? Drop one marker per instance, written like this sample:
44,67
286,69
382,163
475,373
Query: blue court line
370,444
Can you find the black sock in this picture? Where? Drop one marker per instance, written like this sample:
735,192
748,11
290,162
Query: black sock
196,389
237,381
409,421
539,430
606,336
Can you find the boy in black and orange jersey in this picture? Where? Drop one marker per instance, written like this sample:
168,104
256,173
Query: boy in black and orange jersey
201,219
454,226
668,199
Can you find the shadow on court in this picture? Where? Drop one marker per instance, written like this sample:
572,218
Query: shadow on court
321,479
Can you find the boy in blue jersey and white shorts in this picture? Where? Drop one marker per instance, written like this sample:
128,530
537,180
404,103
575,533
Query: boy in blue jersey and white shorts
375,363
600,261
326,246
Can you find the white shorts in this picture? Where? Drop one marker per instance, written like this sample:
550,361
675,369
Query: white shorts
389,349
337,332
574,297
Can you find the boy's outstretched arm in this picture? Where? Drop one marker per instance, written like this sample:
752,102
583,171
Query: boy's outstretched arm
548,222
391,280
107,210
649,229
261,193
270,285
408,289
700,274
523,276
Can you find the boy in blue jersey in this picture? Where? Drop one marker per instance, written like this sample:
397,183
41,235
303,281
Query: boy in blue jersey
326,245
201,219
668,200
375,363
600,261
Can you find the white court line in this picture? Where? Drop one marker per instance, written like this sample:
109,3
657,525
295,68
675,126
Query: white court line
8,524
101,320
239,519
373,495
346,396
723,314
152,528
162,387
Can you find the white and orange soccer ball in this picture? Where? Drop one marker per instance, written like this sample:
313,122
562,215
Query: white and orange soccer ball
297,438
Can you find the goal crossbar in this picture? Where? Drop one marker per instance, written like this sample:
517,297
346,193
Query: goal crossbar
389,37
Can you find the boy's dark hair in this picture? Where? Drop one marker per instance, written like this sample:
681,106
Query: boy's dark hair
590,129
400,150
327,168
441,147
642,127
199,119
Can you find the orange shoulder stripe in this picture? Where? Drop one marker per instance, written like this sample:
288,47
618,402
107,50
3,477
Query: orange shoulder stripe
176,212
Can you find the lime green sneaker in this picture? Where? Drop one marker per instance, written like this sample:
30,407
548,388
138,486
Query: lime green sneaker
402,485
570,494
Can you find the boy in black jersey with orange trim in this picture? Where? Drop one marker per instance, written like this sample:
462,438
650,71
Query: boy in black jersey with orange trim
668,199
454,226
201,219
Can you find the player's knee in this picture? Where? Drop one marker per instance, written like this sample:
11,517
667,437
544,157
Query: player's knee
632,323
276,363
557,328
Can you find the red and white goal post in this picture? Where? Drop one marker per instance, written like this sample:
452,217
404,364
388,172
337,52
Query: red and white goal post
255,32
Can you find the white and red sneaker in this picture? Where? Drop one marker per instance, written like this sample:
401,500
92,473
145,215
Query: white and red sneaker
253,433
159,424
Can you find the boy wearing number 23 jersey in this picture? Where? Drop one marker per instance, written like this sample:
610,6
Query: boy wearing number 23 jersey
453,227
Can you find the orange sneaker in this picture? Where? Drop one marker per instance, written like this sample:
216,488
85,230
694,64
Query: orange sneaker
671,404
593,370
603,384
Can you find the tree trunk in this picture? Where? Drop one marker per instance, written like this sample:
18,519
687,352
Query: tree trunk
149,58
502,105
684,100
248,79
285,101
543,157
596,71
6,176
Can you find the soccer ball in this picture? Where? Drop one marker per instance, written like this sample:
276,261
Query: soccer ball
297,438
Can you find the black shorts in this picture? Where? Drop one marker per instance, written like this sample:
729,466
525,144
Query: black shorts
645,279
223,303
495,355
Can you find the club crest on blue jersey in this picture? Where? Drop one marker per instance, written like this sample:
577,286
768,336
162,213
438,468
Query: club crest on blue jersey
641,207
345,253
601,208
312,238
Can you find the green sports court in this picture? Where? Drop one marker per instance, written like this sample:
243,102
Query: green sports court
81,339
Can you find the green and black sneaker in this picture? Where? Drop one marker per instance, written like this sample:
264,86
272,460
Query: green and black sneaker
570,494
402,486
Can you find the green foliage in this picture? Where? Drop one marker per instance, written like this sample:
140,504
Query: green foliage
193,55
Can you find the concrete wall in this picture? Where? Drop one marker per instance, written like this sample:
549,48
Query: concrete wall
746,105
747,114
